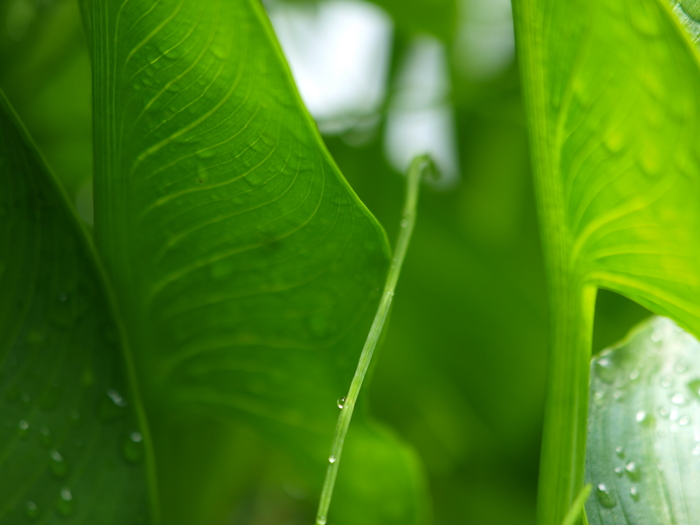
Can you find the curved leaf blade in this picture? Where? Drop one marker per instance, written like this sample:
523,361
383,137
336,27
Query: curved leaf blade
643,453
247,268
236,243
71,447
620,116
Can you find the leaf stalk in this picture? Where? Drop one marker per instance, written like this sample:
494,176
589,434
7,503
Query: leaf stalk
419,166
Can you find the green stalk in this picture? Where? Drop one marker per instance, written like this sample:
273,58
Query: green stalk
572,300
408,218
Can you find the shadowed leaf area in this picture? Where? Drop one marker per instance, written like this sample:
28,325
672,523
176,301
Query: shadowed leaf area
247,269
71,449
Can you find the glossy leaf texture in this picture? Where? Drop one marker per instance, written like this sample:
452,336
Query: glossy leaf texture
247,269
644,429
71,447
617,112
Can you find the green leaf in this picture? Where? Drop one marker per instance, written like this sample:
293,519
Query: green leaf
613,100
71,447
247,269
643,454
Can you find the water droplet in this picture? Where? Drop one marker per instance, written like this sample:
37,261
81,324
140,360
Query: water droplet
619,451
133,447
664,411
605,370
684,421
321,520
694,387
618,395
332,459
341,402
678,399
666,382
45,436
605,497
66,504
23,424
632,471
641,416
58,465
634,374
634,492
644,419
31,510
619,471
681,366
112,406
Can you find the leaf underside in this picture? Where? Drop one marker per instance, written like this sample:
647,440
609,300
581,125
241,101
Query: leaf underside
71,450
644,429
247,269
622,105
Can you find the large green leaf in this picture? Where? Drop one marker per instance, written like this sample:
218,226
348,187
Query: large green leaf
247,269
613,99
71,447
644,437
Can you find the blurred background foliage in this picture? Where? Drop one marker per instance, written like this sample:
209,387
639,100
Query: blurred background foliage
460,375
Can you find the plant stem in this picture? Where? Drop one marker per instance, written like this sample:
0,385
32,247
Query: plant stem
408,219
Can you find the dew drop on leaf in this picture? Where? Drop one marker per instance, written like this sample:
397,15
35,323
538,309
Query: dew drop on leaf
619,451
634,492
31,510
133,447
605,497
632,470
65,504
45,436
58,465
321,520
605,370
341,402
678,399
332,459
112,406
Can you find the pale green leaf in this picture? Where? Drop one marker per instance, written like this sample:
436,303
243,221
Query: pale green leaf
644,429
71,448
613,98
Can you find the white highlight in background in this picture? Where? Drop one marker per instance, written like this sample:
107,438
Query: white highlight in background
420,118
339,54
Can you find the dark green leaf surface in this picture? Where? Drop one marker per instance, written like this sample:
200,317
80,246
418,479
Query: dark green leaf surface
71,449
247,269
644,429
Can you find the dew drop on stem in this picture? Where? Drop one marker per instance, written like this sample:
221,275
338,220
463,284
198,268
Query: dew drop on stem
341,402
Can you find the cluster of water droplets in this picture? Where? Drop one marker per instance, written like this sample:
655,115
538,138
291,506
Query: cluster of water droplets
656,382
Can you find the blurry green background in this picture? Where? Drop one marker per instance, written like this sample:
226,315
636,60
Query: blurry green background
461,373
